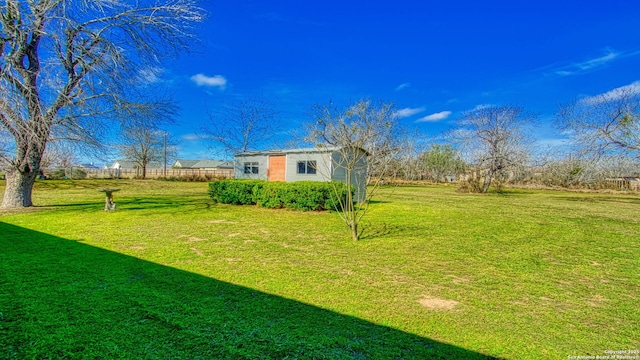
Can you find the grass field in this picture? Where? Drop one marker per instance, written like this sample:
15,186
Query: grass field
438,274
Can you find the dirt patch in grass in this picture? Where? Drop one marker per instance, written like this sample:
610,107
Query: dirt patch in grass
438,304
220,221
197,251
191,238
596,300
458,280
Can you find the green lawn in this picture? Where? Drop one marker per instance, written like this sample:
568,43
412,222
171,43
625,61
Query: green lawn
438,274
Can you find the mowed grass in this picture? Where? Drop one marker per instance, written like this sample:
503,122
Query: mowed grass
438,274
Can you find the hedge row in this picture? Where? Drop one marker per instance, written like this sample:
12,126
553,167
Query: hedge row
301,195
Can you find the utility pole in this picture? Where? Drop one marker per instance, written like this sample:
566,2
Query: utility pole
165,154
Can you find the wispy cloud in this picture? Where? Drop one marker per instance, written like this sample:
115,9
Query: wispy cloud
618,93
553,142
590,65
435,117
407,112
150,75
218,81
402,86
482,106
191,137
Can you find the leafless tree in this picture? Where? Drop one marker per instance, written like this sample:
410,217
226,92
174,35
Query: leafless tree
70,68
581,170
606,123
145,146
365,135
243,125
60,155
406,164
495,140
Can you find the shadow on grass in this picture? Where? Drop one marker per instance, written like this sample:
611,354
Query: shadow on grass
148,203
377,230
163,202
623,199
63,299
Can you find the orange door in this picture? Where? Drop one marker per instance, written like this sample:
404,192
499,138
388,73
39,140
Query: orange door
277,167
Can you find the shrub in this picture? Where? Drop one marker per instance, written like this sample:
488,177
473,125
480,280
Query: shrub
70,173
302,195
57,174
78,173
236,192
471,185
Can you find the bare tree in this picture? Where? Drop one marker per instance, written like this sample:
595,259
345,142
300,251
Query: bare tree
242,126
365,136
606,123
59,155
6,142
145,146
406,163
495,140
70,67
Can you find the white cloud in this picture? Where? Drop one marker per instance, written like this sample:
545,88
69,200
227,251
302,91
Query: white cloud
435,117
210,81
615,94
482,106
554,142
589,65
150,75
191,137
402,86
406,112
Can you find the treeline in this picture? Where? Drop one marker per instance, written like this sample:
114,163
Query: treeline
442,163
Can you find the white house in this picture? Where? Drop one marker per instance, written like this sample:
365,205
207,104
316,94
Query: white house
313,164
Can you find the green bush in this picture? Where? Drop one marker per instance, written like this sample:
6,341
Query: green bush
70,173
236,192
57,174
302,195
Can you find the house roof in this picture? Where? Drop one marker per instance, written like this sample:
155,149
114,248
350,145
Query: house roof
202,164
127,164
295,151
185,163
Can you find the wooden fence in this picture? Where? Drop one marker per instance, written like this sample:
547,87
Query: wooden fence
157,173
632,184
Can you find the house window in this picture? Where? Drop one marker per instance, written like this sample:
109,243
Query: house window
306,167
251,168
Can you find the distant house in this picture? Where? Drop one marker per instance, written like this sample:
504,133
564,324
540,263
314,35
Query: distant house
323,164
202,164
88,166
123,164
131,165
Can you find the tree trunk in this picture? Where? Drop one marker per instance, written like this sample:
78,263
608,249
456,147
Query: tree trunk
19,187
487,181
354,231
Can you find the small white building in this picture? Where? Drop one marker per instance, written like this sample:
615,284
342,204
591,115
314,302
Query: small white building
313,164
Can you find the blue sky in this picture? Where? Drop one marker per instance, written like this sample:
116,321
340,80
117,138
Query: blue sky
432,59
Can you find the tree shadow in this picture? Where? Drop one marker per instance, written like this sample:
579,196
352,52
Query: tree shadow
377,230
626,199
60,298
137,203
